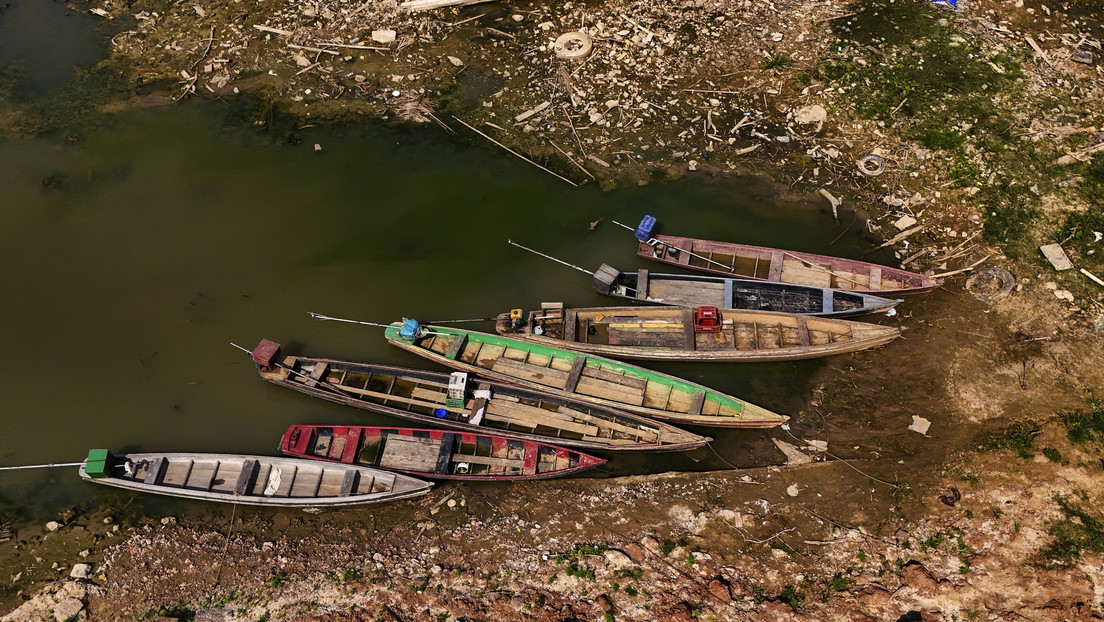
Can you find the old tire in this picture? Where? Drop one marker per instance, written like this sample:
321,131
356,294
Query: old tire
871,165
983,284
573,45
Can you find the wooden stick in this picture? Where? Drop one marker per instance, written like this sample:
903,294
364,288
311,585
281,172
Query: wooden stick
961,270
351,46
897,238
813,265
277,31
425,5
1092,276
572,160
514,152
310,49
210,41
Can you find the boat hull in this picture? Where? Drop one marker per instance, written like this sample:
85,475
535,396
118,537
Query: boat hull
761,263
670,334
511,410
436,454
256,480
586,377
695,290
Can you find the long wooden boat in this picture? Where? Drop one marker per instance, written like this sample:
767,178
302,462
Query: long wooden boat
436,454
772,264
582,376
250,480
444,400
696,290
686,334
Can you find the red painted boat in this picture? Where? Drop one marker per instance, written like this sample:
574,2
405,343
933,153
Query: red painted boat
438,454
771,264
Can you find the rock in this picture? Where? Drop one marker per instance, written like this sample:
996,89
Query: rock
719,590
811,114
301,60
68,609
168,520
80,571
53,525
384,35
616,558
648,542
918,578
904,222
1063,294
635,551
455,61
920,424
692,165
604,604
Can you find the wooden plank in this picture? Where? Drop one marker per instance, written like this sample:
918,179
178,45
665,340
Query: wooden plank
576,372
597,387
526,416
802,330
490,460
615,376
532,373
689,340
201,478
642,284
249,467
316,374
410,452
571,321
456,346
448,441
776,261
348,483
156,470
405,400
697,400
875,283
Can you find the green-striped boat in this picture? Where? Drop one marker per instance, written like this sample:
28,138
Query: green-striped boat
583,376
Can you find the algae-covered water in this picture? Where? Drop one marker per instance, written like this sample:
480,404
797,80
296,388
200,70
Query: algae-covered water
136,246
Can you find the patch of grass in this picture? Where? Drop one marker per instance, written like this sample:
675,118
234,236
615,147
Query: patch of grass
1084,427
1019,437
932,542
1077,531
776,61
838,583
631,590
1052,454
792,597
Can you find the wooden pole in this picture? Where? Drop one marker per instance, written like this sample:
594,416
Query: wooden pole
513,243
42,466
514,152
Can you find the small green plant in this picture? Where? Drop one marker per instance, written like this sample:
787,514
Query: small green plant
1052,454
932,542
631,590
1084,427
777,61
276,580
1019,437
607,617
862,556
1075,532
838,583
792,597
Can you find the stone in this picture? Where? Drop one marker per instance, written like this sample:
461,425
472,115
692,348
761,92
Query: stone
53,525
616,558
904,222
80,571
1063,294
383,35
635,551
811,114
719,590
68,609
455,61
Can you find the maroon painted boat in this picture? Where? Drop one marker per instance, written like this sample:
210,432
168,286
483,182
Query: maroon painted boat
771,264
438,454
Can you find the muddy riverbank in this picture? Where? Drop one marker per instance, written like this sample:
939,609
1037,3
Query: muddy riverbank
986,119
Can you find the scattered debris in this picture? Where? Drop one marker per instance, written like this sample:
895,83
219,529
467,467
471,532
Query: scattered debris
904,222
793,454
920,424
1056,256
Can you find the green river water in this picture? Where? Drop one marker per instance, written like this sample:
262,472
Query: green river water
137,246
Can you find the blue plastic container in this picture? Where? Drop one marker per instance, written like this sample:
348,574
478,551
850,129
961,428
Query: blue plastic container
644,229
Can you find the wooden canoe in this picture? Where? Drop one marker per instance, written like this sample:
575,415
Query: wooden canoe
581,376
250,480
686,334
436,454
696,290
771,264
423,397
